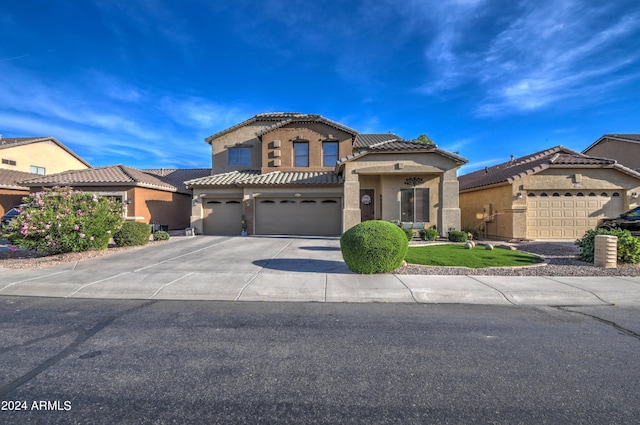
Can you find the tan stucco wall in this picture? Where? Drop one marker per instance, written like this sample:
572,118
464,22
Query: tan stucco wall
386,173
242,137
491,211
626,153
45,154
313,133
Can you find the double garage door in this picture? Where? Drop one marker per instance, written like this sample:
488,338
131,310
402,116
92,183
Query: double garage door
276,216
568,215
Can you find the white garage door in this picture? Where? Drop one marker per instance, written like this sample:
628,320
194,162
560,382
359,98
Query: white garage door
568,214
308,216
222,216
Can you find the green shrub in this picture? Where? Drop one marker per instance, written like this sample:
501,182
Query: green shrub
628,245
428,234
457,236
132,233
63,220
408,233
374,246
161,235
473,230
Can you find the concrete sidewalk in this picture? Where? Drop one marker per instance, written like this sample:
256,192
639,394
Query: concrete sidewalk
296,270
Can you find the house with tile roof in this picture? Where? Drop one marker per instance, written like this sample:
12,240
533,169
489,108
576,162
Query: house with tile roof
25,157
304,174
151,196
557,193
624,148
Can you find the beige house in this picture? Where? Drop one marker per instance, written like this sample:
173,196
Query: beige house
151,196
25,157
624,148
553,194
38,155
303,174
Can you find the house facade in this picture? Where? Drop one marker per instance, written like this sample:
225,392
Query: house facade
150,196
557,193
22,158
303,174
624,148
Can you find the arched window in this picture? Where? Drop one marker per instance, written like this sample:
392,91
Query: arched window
568,194
287,201
580,194
615,194
329,201
268,201
555,194
531,195
544,194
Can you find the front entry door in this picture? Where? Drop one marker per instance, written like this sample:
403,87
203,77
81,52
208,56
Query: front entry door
367,209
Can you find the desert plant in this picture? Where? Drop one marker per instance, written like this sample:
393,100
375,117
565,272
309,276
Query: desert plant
62,220
428,234
408,233
161,235
457,236
132,233
628,245
373,246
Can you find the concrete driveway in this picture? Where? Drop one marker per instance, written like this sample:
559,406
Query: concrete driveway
307,269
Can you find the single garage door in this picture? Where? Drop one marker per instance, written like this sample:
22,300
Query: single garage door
568,214
306,216
222,216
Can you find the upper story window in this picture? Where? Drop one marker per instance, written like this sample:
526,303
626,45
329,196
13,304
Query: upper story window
239,156
301,154
329,154
38,170
8,161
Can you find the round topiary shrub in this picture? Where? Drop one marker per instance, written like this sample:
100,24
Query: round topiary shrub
132,234
161,235
374,246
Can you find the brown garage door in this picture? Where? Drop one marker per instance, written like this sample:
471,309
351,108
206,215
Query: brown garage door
568,214
222,216
295,216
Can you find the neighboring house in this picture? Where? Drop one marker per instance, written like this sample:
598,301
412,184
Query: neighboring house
303,174
151,196
624,148
11,191
38,155
556,193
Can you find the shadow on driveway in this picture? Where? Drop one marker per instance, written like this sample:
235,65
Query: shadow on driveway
303,265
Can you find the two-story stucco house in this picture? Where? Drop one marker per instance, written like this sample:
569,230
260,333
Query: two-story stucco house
304,174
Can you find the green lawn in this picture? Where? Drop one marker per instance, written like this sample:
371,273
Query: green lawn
457,255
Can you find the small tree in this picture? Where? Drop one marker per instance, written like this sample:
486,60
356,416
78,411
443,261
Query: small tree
62,220
424,138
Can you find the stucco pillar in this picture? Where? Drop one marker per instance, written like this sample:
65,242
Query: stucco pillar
449,211
351,196
196,214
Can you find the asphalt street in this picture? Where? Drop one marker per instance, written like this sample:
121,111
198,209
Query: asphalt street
155,362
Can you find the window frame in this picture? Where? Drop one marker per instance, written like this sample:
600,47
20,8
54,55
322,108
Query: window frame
36,169
297,154
234,161
333,157
420,206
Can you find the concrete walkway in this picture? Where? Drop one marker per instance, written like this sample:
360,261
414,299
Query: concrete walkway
292,269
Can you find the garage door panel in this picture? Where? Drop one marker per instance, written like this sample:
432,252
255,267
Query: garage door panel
222,217
313,216
570,215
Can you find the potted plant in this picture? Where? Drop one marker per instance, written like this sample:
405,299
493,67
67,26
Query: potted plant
244,226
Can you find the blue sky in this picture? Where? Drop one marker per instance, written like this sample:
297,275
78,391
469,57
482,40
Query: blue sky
142,83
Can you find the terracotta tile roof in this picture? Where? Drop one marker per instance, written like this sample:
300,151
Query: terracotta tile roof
400,145
273,120
117,175
10,179
177,176
365,140
10,142
274,178
558,156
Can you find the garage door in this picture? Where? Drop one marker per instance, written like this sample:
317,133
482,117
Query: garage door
222,216
309,216
569,214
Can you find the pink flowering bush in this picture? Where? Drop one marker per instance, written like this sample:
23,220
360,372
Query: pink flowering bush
65,220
